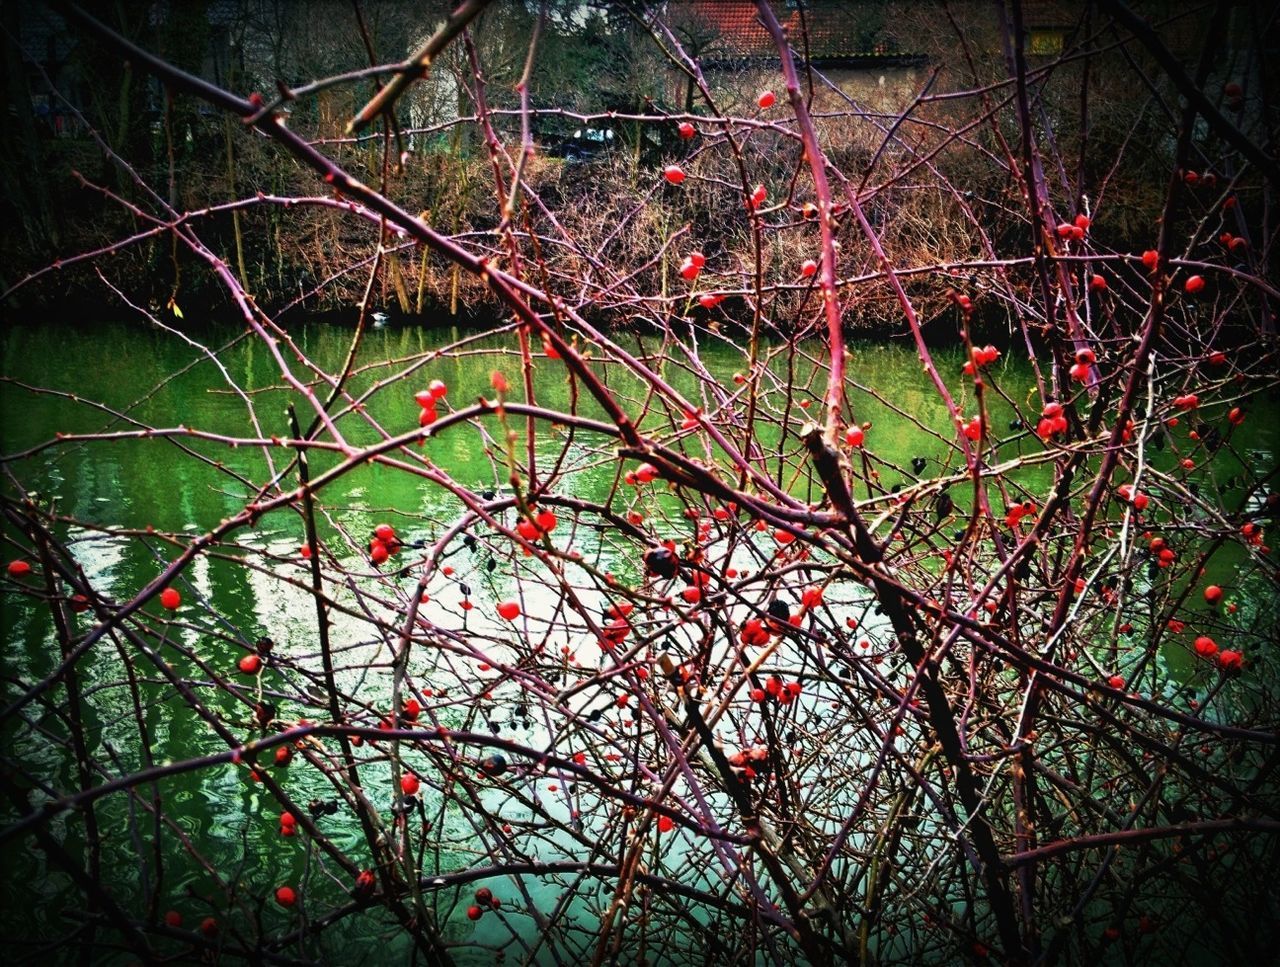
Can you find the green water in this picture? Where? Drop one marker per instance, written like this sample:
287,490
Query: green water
108,493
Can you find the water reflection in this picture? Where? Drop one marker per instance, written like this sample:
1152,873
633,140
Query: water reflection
187,486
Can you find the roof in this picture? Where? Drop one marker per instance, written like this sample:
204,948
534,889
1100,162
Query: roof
837,31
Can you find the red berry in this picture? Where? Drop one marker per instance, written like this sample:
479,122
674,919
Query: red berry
173,919
1151,258
424,398
385,533
686,130
438,389
209,927
286,897
855,436
1213,594
666,824
18,568
409,784
509,610
250,664
809,268
766,99
674,174
1098,283
379,553
474,912
170,599
1116,681
1206,647
1194,284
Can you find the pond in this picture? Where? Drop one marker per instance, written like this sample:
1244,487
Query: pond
126,503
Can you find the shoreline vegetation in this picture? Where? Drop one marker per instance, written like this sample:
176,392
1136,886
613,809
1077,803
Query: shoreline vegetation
600,117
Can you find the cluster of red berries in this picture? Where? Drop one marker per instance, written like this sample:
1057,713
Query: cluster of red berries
428,398
1228,659
208,926
1135,498
643,474
774,688
1013,517
692,266
1163,554
1075,230
542,522
1079,371
750,763
1233,243
979,358
383,544
1052,422
484,900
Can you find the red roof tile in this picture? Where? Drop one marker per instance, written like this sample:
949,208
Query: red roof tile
731,29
